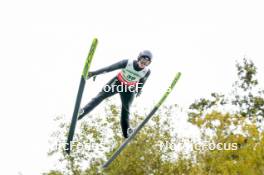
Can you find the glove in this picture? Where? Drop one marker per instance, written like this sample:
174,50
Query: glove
90,75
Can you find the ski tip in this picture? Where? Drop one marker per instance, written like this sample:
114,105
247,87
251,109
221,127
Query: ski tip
95,40
176,78
178,74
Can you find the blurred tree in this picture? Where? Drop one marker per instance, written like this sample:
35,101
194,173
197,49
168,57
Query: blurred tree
243,126
246,96
148,153
153,151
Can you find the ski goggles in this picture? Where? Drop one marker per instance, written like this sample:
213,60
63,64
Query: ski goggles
144,60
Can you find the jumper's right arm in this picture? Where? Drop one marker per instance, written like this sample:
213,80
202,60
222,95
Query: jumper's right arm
119,65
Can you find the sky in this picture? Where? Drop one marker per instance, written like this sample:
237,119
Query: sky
44,44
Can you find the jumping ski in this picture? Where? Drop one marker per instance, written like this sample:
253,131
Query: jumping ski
79,95
141,125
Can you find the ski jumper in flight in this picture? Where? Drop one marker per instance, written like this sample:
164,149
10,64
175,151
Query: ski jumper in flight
131,79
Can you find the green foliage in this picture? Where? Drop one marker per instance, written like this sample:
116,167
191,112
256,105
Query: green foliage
246,97
238,130
246,75
146,154
241,126
52,172
246,157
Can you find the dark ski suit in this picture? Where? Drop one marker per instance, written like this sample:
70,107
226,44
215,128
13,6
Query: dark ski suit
126,96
